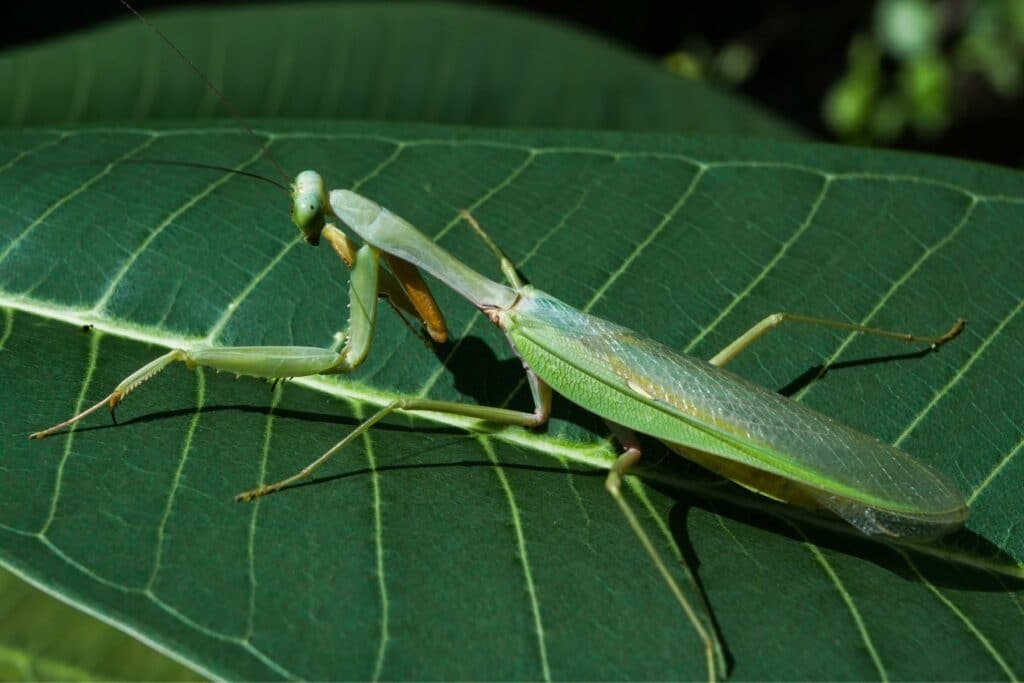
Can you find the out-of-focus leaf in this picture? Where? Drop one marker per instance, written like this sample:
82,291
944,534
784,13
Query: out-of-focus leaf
399,62
43,639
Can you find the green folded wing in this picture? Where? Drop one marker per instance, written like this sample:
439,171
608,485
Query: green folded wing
648,387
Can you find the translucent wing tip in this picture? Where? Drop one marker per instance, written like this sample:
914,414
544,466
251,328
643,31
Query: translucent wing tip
875,521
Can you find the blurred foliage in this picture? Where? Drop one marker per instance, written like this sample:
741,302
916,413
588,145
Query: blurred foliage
730,65
35,643
922,63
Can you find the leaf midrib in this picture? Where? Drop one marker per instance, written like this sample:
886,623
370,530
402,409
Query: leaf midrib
592,455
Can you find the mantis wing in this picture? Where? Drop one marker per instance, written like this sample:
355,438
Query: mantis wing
760,438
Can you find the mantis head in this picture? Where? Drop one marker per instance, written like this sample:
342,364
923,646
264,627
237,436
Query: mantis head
308,200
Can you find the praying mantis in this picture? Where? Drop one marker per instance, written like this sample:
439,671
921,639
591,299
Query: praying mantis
755,437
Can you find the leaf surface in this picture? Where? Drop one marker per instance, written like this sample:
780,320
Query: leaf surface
428,552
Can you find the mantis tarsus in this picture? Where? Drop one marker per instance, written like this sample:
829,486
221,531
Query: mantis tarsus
761,440
758,438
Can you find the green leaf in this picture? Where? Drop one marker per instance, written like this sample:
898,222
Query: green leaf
428,552
398,62
42,639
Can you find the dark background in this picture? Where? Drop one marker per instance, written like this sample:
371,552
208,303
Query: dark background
802,47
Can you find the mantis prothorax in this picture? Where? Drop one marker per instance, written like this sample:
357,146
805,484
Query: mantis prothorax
759,439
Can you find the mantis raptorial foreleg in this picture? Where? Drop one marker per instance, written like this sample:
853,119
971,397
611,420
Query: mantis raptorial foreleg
776,319
403,287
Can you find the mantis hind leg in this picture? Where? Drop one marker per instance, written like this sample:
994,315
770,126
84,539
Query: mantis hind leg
613,483
776,319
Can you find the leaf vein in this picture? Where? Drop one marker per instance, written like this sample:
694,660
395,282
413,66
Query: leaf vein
176,482
90,370
49,211
378,542
970,625
101,303
152,597
893,288
858,619
939,395
768,267
991,475
268,431
13,161
643,244
524,558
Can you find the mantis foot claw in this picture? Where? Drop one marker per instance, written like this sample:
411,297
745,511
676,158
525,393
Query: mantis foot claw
249,496
111,401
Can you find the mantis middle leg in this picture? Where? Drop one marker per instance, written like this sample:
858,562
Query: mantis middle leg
542,408
273,362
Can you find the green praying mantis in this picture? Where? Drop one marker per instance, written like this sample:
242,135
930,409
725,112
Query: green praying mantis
763,441
751,435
